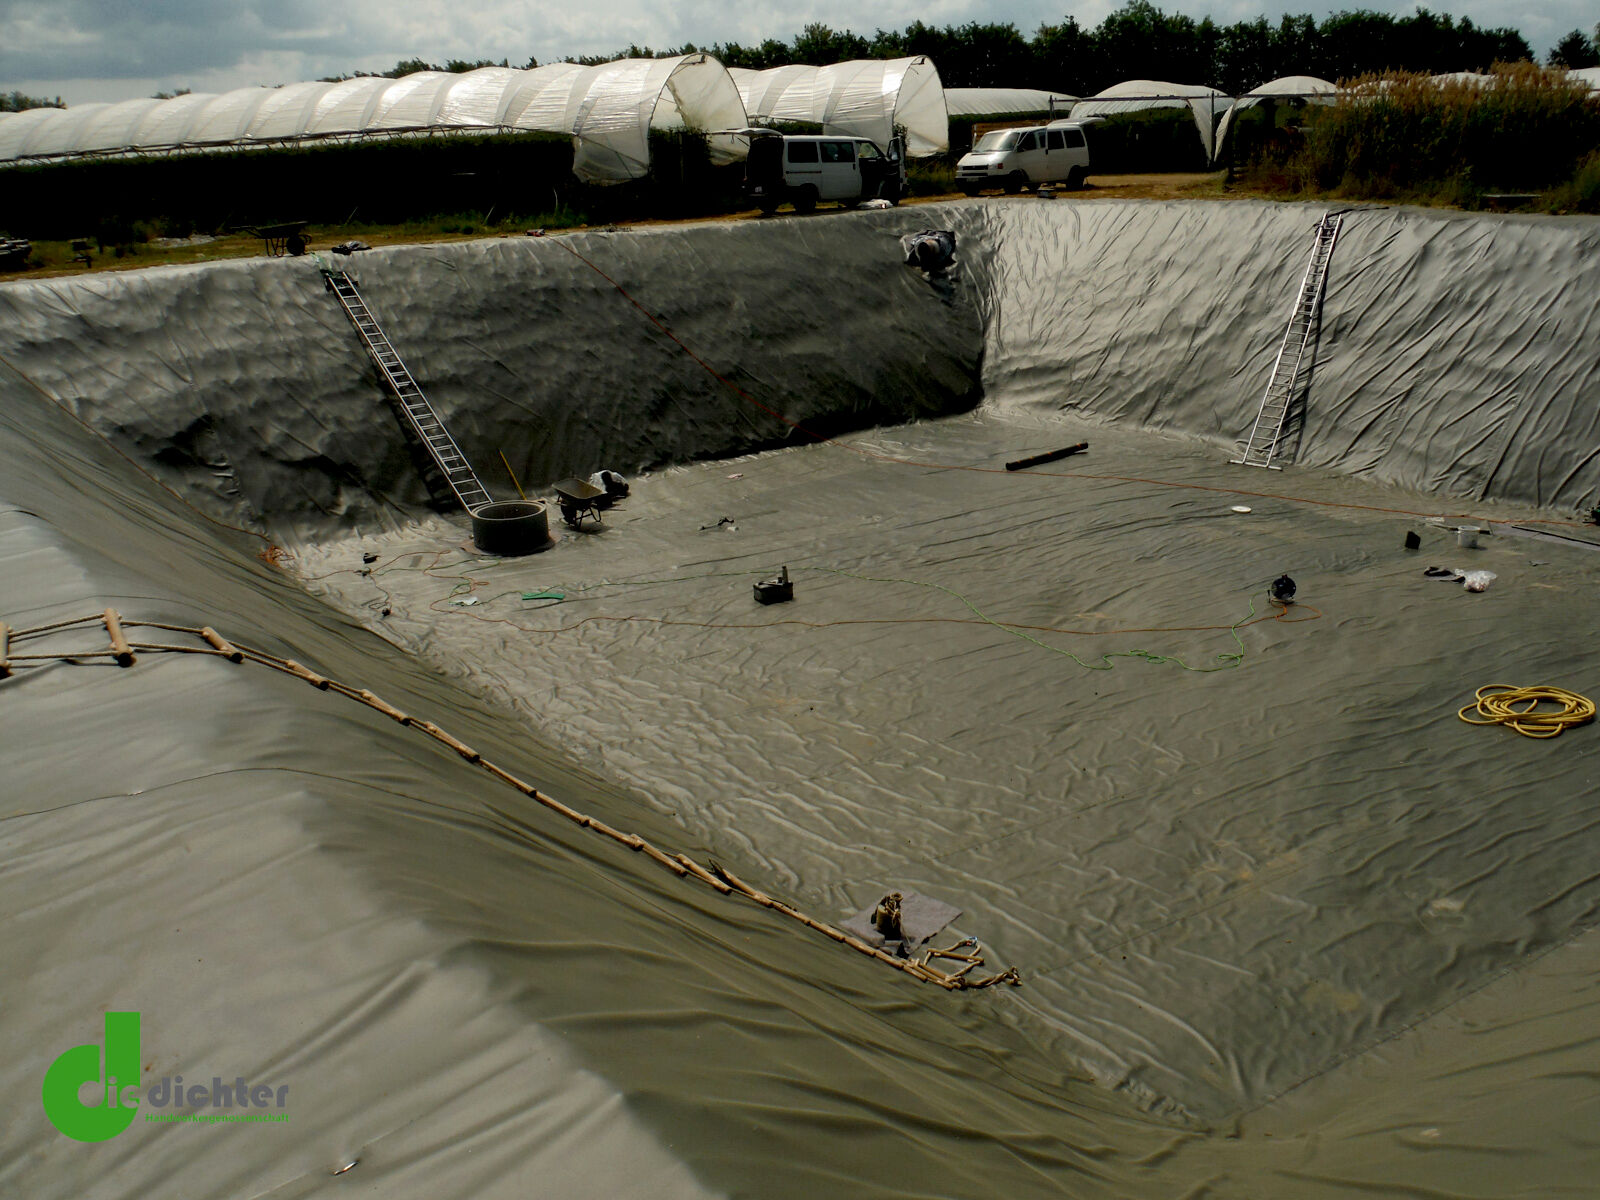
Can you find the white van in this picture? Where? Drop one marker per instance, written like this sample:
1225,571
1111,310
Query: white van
1013,159
804,169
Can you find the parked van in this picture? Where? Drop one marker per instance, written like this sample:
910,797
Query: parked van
1013,159
804,169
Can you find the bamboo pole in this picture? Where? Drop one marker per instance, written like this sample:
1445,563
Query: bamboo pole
217,641
681,865
120,649
306,673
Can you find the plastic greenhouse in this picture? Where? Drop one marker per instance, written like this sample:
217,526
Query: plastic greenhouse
863,98
996,102
1136,94
1299,87
608,110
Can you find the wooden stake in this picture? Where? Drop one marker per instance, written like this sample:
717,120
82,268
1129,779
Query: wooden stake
388,710
218,642
120,649
461,748
306,673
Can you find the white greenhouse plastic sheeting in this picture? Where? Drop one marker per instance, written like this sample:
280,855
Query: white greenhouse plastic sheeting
612,109
1136,94
862,98
1301,87
608,110
987,102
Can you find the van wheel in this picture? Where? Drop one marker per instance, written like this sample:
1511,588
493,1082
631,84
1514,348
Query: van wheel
805,200
1015,182
1076,177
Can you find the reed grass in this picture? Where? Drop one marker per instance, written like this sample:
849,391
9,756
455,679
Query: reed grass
1408,136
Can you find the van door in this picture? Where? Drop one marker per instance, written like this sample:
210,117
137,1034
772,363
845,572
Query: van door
1073,164
1030,155
803,167
1077,148
841,174
1057,162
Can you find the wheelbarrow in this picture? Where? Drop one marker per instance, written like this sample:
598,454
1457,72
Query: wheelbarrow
577,499
286,237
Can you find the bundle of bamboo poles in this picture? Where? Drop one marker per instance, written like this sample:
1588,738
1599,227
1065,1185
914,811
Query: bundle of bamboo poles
125,653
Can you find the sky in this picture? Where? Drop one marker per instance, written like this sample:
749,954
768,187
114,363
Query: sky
87,50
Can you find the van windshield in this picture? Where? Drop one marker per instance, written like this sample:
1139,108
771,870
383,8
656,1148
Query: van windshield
996,139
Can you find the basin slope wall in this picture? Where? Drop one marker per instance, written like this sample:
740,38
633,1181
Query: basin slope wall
246,386
1458,354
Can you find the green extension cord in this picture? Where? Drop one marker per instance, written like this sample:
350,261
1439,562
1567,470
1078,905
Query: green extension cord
1226,661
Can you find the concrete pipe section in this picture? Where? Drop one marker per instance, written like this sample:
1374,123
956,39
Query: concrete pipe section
511,528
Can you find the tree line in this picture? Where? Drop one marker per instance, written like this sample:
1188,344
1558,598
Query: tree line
1141,41
1137,41
19,101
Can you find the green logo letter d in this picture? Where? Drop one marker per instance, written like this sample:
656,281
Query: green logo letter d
81,1065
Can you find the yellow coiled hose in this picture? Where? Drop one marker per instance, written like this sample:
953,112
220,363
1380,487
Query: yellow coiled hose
1519,707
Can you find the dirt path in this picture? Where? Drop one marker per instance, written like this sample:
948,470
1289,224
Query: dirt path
57,261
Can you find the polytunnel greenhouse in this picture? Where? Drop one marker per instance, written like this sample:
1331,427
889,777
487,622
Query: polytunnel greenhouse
867,98
1137,94
997,102
1305,88
608,110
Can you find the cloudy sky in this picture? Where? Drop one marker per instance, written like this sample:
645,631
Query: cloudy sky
87,50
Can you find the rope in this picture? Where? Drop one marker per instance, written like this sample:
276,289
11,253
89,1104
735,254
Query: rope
711,874
1518,707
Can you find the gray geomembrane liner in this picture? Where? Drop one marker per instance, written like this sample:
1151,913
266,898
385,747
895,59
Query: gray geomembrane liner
1285,925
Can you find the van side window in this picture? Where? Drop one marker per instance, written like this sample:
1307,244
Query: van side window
1054,141
867,150
1074,138
802,152
838,152
1029,141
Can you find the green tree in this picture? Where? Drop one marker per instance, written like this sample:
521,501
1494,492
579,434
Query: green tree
1067,58
817,45
18,102
1575,51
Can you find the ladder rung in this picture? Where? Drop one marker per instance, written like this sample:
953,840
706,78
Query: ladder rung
1267,432
446,454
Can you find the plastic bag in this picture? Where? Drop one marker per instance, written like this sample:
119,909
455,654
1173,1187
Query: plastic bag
1473,581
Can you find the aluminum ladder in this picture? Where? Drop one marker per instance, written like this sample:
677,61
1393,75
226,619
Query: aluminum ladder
1261,447
424,420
